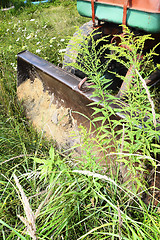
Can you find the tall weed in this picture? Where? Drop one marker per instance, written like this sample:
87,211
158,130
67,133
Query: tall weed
135,136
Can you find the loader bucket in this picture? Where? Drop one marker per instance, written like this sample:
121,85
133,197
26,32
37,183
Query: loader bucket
52,100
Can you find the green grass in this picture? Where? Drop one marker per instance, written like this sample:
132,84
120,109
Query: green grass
27,27
69,201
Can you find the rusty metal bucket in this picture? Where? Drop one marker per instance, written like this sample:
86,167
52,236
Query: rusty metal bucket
53,101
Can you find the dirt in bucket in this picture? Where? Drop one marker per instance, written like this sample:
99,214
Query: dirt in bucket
41,108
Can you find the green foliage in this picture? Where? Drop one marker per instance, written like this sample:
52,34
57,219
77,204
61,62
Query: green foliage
47,165
18,234
75,203
133,140
6,3
9,3
139,129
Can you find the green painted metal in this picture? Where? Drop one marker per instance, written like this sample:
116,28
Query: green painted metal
149,22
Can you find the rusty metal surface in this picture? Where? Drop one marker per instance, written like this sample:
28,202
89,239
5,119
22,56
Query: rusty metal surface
152,6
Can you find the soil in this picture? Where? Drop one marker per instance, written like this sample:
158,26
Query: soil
54,121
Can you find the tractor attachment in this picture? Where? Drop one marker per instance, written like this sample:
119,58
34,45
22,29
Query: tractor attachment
53,99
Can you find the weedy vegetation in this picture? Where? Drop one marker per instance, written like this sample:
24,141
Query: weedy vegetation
48,195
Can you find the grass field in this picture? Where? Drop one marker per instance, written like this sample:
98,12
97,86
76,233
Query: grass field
43,195
39,30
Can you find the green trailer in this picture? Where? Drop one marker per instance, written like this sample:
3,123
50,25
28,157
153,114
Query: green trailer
143,15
